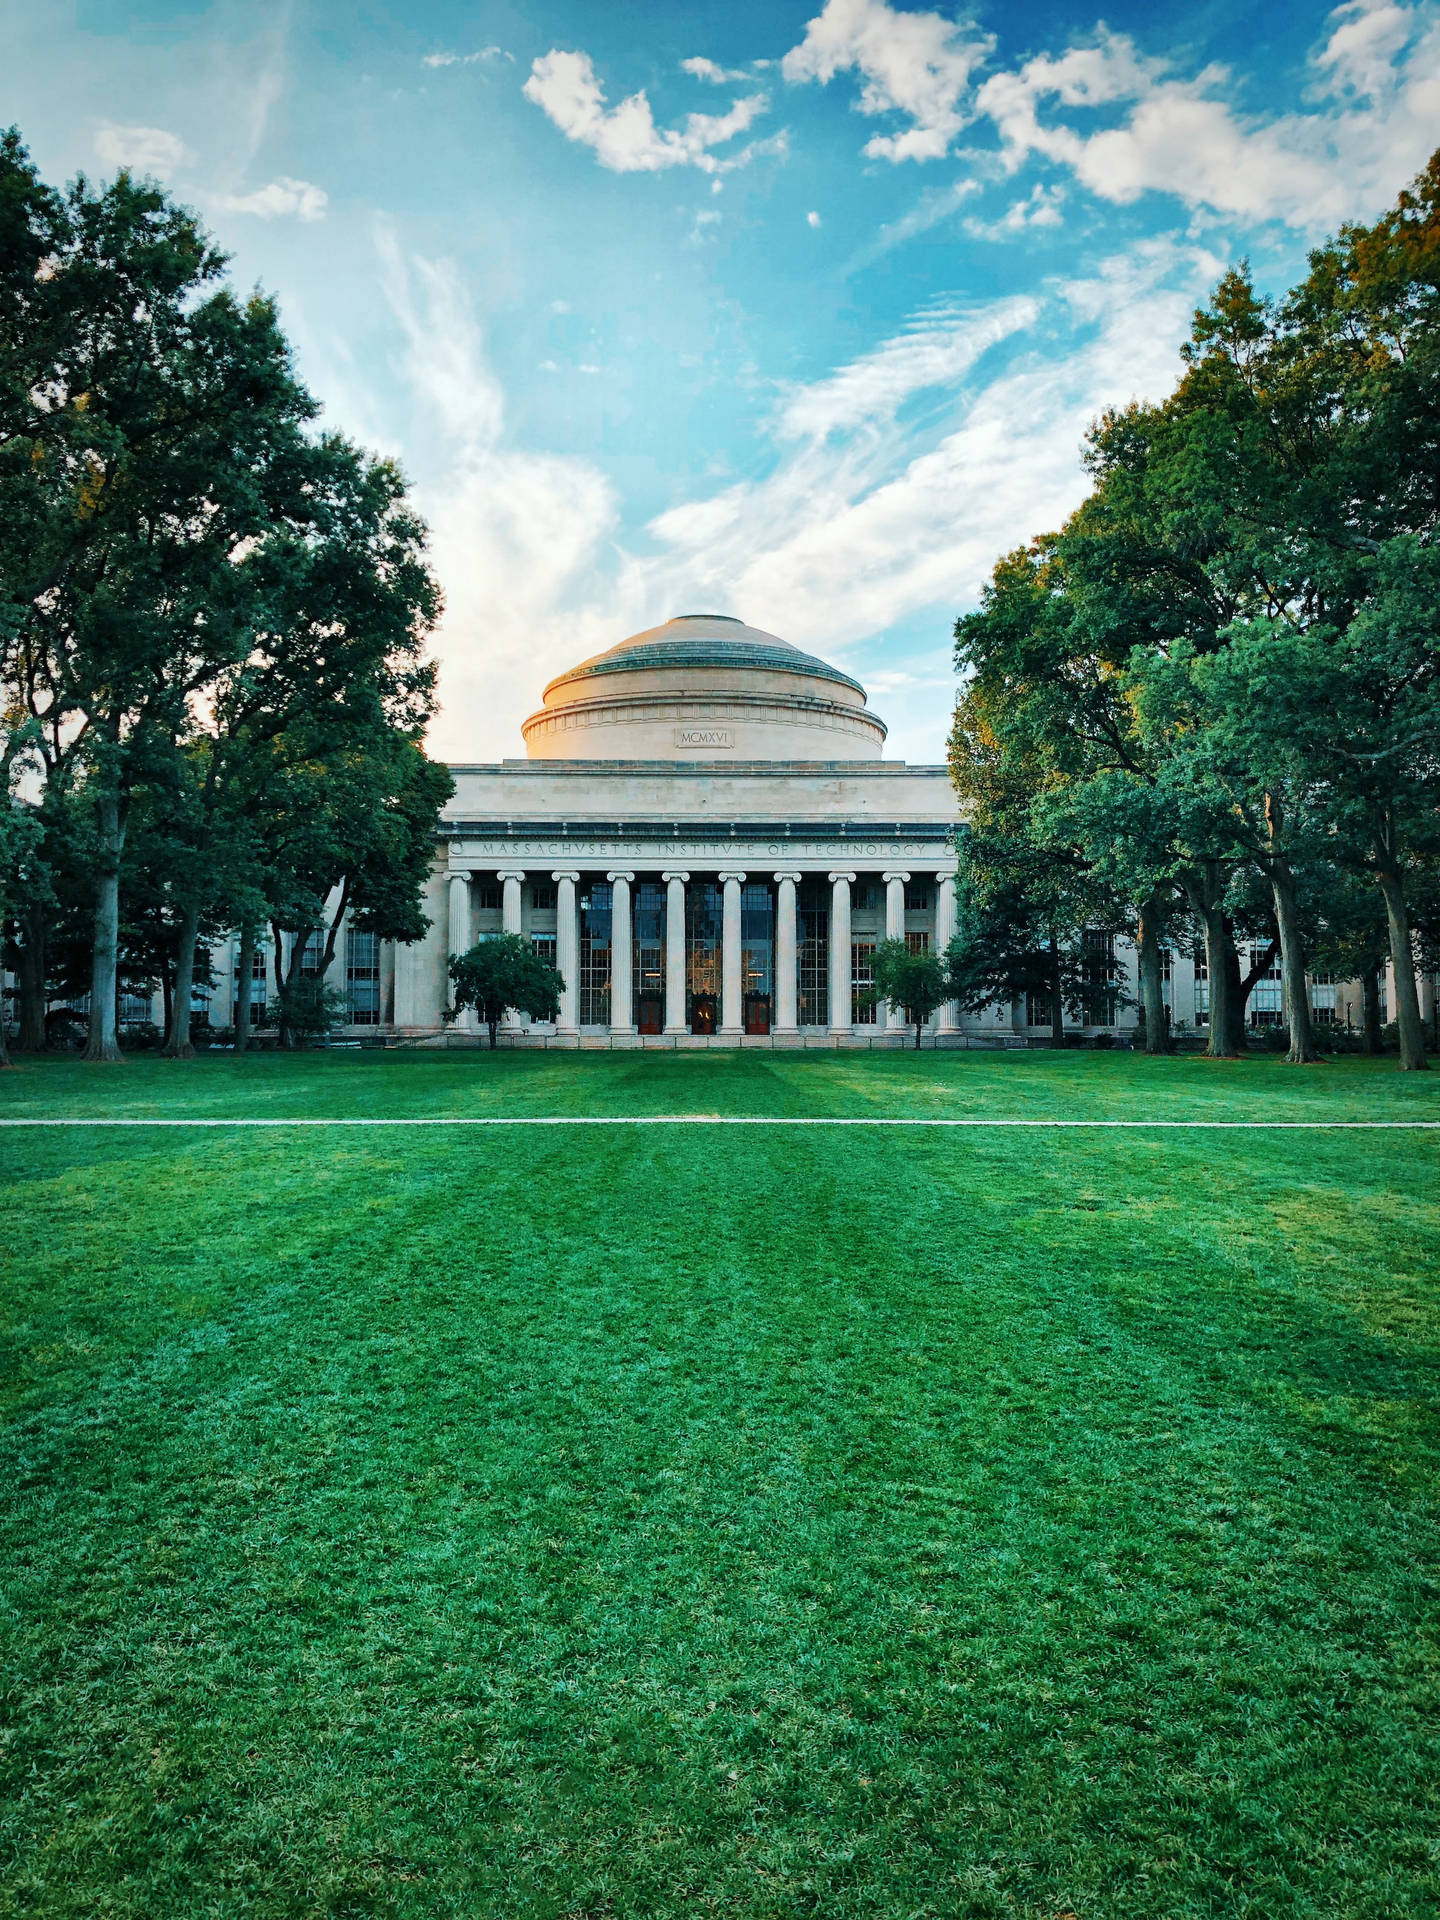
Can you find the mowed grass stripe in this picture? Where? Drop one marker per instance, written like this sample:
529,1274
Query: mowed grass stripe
736,1120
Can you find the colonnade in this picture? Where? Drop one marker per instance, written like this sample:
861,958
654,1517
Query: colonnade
785,1000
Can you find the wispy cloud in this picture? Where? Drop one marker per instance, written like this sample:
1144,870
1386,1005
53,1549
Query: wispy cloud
625,138
466,59
715,76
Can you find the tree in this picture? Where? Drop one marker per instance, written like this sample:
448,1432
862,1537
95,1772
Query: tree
502,973
919,982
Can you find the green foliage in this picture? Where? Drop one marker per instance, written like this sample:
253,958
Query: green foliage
501,973
978,1524
916,981
305,1009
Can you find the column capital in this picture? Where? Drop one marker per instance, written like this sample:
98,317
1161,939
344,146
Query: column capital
620,873
459,873
731,873
510,873
894,874
842,873
566,873
790,873
675,873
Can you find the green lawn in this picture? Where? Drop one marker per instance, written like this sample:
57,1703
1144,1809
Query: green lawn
667,1522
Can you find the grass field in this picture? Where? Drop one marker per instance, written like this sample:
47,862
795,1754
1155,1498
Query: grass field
685,1521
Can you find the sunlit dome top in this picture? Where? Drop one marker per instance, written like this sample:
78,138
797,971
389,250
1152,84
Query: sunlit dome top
704,686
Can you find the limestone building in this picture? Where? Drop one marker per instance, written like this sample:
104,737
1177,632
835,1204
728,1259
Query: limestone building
706,839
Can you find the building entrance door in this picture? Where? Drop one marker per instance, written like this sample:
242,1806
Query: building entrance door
649,1014
757,1013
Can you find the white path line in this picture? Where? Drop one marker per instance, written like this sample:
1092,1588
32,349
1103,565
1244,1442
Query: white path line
755,1120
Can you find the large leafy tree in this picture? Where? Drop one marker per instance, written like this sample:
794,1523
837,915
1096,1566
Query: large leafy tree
503,972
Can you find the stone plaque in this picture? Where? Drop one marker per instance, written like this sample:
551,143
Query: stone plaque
705,738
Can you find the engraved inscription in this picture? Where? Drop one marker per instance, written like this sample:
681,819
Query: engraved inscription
704,737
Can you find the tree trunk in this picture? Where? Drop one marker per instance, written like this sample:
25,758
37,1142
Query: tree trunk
1370,1010
1152,987
244,982
494,1026
1237,994
103,1043
1303,1051
918,1025
32,983
1203,892
1402,959
1057,996
177,1032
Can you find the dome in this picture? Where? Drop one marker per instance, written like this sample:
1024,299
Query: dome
703,686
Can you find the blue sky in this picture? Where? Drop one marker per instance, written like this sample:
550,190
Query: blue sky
796,312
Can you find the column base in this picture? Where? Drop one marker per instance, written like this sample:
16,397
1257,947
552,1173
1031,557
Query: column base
623,1032
673,1033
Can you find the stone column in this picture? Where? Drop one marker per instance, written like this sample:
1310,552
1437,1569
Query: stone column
841,1020
675,1021
785,944
567,951
948,1019
622,950
732,1025
511,880
895,930
457,940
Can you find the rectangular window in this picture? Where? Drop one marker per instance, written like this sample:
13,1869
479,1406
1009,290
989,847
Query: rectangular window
812,955
918,942
757,957
314,954
134,1009
1202,989
544,945
595,947
488,896
917,897
704,904
1037,1009
259,976
362,976
542,896
865,896
862,982
1098,952
648,955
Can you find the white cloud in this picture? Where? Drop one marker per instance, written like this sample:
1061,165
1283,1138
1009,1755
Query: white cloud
812,219
1040,208
1377,104
147,150
915,64
715,76
516,536
846,540
936,350
625,138
465,59
279,200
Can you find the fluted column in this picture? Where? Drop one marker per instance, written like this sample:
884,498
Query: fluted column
949,1016
622,949
895,884
675,1021
732,1026
841,1017
785,944
457,937
511,880
567,951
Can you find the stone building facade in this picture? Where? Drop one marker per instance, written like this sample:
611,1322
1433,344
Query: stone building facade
705,838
